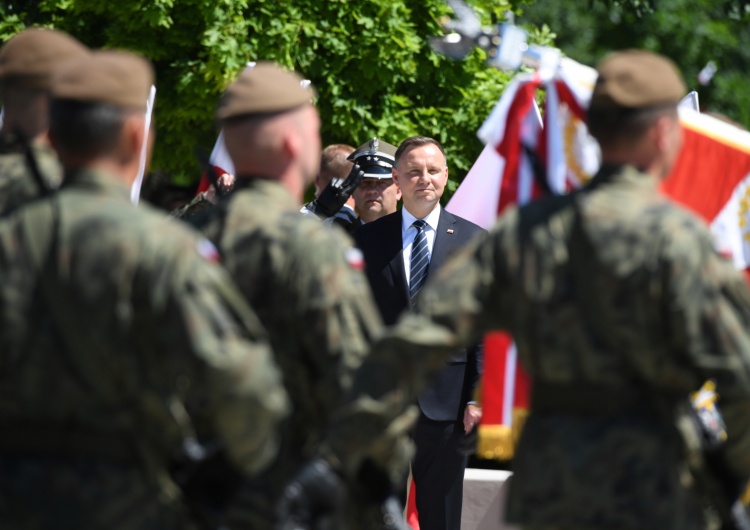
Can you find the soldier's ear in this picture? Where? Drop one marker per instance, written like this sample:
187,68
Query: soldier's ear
132,138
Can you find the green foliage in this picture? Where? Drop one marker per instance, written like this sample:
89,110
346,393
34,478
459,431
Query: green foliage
690,32
369,61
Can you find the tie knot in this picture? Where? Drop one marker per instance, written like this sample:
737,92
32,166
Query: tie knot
419,224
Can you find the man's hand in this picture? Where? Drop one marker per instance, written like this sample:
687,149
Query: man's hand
333,197
314,499
472,417
225,182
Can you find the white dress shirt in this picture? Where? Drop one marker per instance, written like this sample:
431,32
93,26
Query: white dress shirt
408,232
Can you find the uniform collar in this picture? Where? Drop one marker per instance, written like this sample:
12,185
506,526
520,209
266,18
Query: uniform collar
265,186
614,174
93,179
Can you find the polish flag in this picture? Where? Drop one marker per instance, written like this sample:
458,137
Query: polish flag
221,162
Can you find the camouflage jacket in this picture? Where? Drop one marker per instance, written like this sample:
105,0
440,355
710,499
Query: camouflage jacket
305,282
17,184
119,348
612,291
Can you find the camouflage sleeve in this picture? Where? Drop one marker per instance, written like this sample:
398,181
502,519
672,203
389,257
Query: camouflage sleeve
708,304
330,294
467,297
199,206
233,390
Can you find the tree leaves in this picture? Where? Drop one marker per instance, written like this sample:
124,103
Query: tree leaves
369,60
690,32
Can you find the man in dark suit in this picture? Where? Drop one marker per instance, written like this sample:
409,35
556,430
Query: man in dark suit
400,250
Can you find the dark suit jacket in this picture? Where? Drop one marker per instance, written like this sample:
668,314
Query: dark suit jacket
381,243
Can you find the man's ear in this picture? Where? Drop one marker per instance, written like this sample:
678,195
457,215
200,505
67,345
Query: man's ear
394,173
661,133
132,137
291,144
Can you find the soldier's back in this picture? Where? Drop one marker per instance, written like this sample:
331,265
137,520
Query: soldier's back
118,363
602,279
305,282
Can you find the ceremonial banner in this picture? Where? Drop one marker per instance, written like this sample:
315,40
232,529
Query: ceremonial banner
712,178
504,175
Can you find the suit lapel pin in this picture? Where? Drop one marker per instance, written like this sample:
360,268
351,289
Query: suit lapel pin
450,230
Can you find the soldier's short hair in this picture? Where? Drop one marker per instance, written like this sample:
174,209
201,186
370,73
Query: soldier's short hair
85,128
416,141
614,125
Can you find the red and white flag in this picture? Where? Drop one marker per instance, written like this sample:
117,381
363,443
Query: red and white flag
712,178
503,175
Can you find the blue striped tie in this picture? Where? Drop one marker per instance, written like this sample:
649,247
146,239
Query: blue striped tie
420,261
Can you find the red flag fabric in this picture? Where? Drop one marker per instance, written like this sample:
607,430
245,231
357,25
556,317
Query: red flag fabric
712,178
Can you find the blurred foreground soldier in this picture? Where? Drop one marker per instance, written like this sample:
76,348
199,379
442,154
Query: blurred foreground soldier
620,307
377,195
303,278
124,347
27,62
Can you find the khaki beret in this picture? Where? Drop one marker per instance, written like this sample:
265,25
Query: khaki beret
376,158
119,78
637,79
263,89
30,58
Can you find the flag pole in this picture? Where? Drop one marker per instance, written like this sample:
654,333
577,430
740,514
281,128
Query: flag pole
135,189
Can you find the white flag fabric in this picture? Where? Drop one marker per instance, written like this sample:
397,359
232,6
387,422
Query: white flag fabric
135,188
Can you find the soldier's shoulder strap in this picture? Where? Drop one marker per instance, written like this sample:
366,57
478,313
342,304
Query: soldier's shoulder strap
39,227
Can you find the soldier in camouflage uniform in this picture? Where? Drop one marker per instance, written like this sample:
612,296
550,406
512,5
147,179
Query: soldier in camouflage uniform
123,346
303,278
27,62
620,307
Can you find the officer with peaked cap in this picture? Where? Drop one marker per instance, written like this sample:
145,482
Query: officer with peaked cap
125,346
377,195
620,308
27,62
304,279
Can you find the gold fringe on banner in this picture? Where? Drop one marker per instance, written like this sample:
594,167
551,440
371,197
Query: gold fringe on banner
498,442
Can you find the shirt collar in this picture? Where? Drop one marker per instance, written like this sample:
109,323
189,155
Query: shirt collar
432,219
